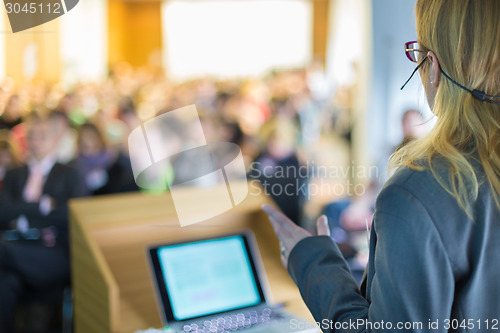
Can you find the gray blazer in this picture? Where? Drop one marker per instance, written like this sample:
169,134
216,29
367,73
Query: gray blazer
431,269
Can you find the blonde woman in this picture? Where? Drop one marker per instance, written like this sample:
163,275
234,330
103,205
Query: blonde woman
434,249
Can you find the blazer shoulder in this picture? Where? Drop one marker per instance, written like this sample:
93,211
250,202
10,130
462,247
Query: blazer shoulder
64,168
415,191
405,176
17,172
418,182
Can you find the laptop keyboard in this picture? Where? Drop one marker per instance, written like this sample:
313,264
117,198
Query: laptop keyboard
234,322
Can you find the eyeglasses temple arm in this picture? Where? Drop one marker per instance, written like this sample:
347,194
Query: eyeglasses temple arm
414,71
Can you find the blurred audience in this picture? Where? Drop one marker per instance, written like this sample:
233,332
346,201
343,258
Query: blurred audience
34,253
271,119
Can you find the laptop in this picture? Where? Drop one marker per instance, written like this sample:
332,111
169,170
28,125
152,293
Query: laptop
218,285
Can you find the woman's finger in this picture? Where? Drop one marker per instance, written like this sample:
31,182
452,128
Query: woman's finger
322,226
279,218
287,239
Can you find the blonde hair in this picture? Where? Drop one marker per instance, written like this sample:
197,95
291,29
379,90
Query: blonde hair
465,36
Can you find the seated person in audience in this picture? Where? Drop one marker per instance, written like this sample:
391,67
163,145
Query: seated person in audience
8,158
11,115
120,174
34,254
65,136
17,137
278,168
93,158
413,126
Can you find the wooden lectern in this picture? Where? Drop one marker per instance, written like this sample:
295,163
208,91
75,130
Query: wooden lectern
112,283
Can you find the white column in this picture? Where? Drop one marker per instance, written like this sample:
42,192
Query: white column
3,31
84,42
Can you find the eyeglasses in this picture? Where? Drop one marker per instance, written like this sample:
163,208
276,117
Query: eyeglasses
412,53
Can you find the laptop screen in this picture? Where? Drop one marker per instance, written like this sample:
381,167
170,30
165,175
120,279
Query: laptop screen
206,277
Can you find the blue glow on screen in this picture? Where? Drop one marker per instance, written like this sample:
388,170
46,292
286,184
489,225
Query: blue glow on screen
208,277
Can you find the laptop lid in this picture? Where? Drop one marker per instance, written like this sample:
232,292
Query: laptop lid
207,276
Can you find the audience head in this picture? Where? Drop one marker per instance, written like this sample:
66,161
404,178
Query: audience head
90,140
413,124
7,155
67,102
127,113
60,121
12,108
40,138
278,137
231,132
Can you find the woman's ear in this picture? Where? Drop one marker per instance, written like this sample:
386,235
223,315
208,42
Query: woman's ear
435,71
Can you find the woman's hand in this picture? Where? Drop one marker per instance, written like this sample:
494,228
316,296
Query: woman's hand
289,233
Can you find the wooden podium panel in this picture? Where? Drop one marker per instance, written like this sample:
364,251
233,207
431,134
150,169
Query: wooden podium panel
112,283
